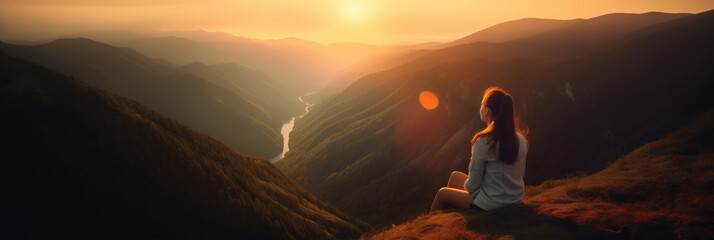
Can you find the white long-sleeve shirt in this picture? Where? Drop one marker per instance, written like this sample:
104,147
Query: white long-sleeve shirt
492,183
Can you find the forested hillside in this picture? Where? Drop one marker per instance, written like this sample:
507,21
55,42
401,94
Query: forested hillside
80,162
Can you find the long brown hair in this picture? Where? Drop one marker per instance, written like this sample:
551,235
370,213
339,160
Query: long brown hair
502,127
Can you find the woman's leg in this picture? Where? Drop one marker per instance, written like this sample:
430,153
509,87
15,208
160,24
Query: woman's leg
457,179
451,197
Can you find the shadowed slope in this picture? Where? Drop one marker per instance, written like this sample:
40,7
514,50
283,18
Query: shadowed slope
81,162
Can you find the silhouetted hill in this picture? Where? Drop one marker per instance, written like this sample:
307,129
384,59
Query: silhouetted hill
375,153
661,190
570,41
513,30
81,162
583,36
547,40
238,120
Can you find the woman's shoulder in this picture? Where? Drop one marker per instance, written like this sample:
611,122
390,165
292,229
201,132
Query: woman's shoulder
483,142
483,139
522,140
479,143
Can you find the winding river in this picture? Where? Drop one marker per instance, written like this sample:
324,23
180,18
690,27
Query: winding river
287,128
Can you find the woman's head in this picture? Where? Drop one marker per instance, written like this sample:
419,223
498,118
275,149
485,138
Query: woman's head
497,111
496,103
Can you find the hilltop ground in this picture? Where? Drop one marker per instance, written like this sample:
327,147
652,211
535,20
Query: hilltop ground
662,190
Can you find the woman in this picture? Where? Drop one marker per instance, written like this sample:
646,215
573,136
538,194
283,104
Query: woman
498,161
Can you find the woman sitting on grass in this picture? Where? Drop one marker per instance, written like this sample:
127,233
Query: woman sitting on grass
498,161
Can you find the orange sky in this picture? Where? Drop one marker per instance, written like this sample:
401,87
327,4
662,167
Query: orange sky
324,21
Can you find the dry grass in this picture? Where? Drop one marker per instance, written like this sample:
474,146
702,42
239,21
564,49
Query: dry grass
513,222
441,226
661,189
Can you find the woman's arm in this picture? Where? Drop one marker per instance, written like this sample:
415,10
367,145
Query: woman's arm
478,156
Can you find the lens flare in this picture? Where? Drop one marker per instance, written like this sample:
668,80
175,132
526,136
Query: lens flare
428,100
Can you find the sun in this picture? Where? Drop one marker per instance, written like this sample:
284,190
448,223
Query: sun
354,12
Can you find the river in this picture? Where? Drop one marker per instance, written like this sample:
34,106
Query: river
287,128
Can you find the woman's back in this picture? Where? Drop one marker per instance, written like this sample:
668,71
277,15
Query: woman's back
501,183
498,160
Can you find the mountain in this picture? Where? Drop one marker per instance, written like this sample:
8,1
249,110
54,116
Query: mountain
105,36
240,121
373,152
299,68
81,162
204,36
661,190
571,40
513,30
545,39
299,65
256,87
344,53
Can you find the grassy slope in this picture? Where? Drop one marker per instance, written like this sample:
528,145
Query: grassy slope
81,162
662,190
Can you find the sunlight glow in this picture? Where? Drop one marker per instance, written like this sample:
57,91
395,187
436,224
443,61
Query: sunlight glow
428,100
322,21
354,12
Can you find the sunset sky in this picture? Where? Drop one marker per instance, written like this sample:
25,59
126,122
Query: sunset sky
324,21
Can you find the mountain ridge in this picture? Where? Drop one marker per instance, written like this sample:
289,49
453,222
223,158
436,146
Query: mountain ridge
547,43
225,114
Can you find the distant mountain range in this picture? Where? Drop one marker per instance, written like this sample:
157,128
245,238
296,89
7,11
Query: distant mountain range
528,38
588,91
299,65
239,106
80,162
